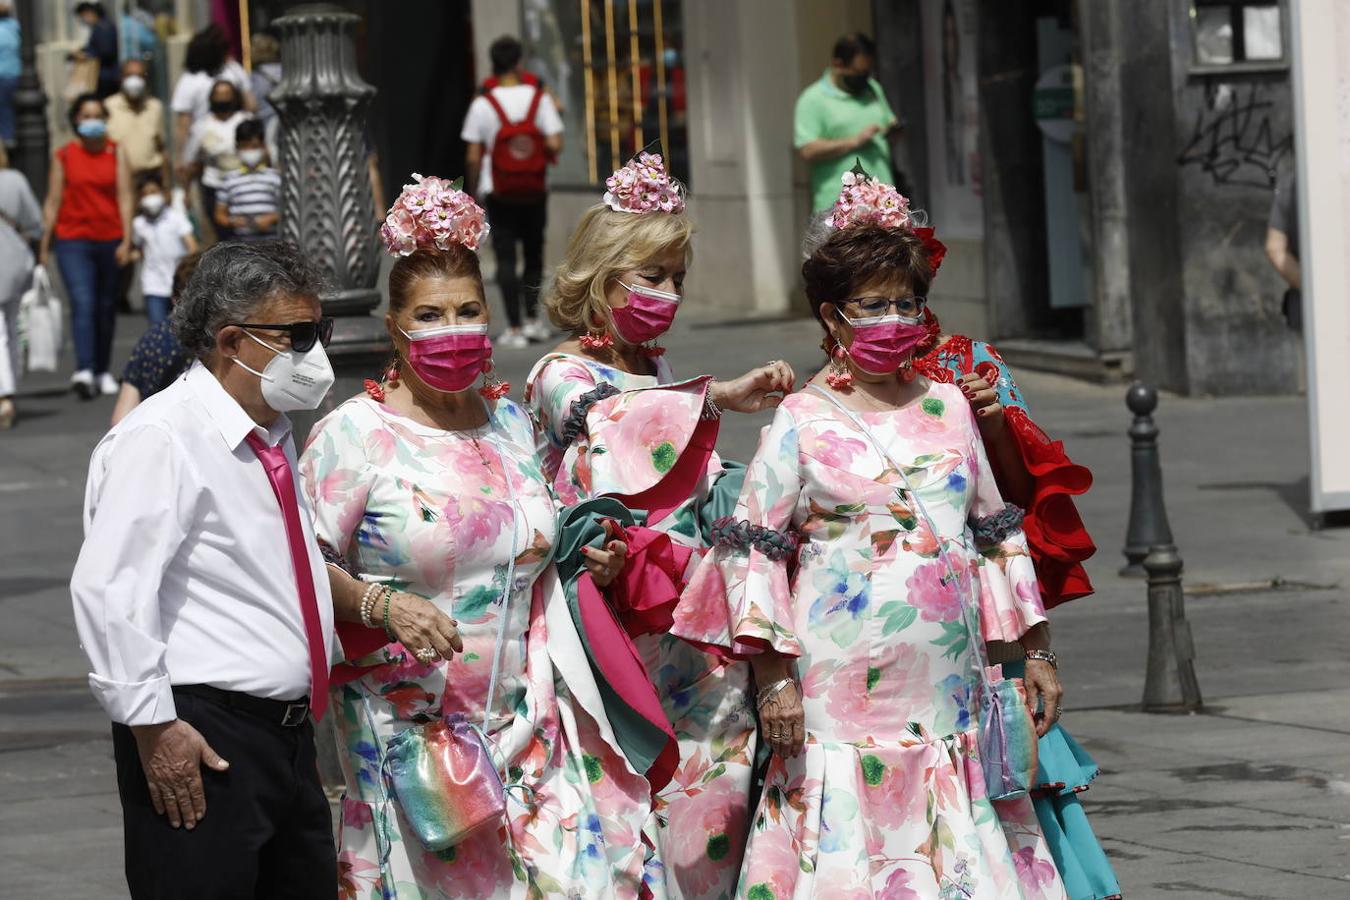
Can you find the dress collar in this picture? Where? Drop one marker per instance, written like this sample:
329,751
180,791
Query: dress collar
227,414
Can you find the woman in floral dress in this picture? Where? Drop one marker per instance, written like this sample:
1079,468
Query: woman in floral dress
439,526
619,425
848,583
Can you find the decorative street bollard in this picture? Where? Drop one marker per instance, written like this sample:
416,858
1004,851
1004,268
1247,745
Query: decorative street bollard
30,155
327,211
1170,684
1148,526
327,208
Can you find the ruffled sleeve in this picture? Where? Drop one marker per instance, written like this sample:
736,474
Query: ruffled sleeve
739,602
1010,600
556,394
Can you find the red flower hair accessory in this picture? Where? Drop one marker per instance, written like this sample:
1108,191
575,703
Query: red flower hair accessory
433,212
936,249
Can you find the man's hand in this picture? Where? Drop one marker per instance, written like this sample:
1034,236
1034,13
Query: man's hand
172,754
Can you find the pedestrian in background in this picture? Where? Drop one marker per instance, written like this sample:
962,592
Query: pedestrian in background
87,220
20,229
1282,247
10,39
513,132
248,204
162,235
201,600
157,359
101,46
208,61
136,122
844,118
210,154
266,75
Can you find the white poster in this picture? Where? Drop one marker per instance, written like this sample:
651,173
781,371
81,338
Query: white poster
951,101
1321,32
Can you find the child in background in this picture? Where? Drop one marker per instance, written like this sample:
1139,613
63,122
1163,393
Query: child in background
249,204
157,359
162,236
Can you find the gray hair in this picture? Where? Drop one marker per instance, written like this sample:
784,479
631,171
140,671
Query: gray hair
235,280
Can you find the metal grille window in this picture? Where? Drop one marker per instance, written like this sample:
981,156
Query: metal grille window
617,66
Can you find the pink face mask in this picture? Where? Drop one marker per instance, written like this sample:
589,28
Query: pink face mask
450,357
647,316
882,343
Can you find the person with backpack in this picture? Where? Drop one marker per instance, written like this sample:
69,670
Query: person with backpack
513,132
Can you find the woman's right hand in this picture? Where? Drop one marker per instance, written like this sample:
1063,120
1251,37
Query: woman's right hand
419,625
782,721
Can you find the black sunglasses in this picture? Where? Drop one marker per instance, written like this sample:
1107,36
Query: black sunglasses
303,334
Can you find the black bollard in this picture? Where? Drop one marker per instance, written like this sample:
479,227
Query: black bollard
1170,684
1148,526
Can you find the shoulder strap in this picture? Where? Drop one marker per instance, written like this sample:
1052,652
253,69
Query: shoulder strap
978,657
534,105
501,113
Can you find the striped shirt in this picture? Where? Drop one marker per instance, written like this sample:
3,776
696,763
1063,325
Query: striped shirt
250,193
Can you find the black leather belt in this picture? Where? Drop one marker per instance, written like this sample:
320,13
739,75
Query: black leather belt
286,713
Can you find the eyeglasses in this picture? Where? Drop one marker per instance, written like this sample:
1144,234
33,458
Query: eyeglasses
879,306
303,334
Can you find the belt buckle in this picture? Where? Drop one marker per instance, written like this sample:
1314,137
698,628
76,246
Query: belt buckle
296,714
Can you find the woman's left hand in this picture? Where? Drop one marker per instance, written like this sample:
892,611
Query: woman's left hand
757,390
606,565
123,253
984,401
1042,683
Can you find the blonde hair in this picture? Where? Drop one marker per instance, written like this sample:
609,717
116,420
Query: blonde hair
606,244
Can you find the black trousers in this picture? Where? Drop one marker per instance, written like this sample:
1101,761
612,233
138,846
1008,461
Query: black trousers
267,831
518,223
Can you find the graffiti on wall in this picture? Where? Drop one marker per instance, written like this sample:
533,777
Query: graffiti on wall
1234,140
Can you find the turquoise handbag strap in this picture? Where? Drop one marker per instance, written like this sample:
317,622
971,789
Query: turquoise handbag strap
979,657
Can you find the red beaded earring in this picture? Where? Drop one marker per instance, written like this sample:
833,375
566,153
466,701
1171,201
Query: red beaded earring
493,387
839,377
593,341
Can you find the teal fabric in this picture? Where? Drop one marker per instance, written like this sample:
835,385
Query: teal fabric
1081,861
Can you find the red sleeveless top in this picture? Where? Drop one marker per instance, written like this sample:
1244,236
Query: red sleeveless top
89,199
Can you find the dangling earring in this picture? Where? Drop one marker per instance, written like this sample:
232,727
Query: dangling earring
493,387
907,371
839,377
596,340
376,389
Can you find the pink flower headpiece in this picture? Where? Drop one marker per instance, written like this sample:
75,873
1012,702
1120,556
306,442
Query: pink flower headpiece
867,201
433,212
644,186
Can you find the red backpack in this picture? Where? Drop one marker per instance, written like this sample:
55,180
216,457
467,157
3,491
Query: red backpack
519,155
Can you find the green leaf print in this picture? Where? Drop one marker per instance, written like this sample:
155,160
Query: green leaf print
873,676
761,891
473,606
873,770
933,406
897,615
955,638
719,845
594,771
716,771
664,456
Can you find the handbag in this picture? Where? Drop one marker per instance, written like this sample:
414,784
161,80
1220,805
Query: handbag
40,324
442,772
1007,734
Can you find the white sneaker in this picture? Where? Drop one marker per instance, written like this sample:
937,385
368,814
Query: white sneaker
538,330
82,383
513,339
107,385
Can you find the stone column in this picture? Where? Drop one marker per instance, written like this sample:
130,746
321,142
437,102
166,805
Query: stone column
32,153
326,206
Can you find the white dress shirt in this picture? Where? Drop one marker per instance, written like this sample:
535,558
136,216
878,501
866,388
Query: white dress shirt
185,575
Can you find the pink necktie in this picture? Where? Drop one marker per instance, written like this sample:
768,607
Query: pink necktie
279,474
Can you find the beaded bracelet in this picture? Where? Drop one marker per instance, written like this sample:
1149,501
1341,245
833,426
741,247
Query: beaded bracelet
368,604
710,408
389,632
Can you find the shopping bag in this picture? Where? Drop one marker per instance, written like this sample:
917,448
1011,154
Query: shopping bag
40,324
82,78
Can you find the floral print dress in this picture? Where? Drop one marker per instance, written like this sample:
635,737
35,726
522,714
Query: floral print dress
887,798
439,514
701,815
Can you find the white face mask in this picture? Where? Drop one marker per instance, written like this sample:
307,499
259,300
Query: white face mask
291,381
153,204
133,86
250,158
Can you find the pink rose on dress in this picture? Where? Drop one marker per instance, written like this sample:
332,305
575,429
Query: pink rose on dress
900,886
936,600
706,834
1034,872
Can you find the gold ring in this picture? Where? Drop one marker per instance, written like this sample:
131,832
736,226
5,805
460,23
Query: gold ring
426,655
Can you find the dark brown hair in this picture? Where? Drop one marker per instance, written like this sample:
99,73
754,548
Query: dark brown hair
860,255
430,262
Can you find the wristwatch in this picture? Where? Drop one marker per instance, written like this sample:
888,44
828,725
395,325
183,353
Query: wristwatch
1044,656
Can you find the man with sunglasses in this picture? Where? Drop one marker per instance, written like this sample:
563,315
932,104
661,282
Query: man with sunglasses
201,596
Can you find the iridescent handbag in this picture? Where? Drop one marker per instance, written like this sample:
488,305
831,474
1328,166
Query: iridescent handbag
445,780
1007,734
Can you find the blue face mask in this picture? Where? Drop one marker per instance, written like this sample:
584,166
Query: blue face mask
92,129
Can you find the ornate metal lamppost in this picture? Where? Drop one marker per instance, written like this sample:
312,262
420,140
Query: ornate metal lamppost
30,156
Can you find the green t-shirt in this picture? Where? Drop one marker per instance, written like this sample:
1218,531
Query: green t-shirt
826,112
